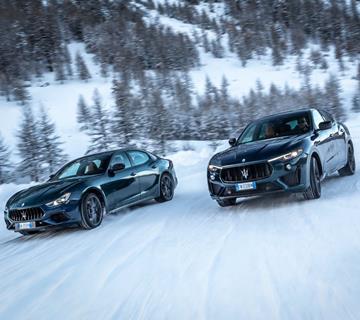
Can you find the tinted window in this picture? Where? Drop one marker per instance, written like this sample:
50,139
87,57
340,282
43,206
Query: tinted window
84,167
121,158
317,119
286,125
138,157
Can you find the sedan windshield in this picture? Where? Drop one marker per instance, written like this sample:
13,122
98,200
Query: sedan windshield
282,126
84,167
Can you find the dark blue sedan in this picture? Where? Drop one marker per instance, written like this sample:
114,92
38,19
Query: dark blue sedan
85,189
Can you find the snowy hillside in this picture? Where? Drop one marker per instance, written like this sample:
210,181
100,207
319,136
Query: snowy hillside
270,258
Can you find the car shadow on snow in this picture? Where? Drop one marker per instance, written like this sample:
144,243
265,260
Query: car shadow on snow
332,187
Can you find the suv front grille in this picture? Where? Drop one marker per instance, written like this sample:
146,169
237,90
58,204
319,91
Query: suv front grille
27,214
246,172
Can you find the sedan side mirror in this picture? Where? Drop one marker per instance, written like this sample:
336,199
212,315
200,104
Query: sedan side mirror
325,125
116,168
232,141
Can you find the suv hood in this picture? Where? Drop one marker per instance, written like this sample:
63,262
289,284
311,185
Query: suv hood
257,151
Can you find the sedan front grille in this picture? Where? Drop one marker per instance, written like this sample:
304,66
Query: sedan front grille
28,214
246,173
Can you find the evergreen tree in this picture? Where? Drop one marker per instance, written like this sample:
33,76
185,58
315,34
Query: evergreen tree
28,146
82,70
5,162
121,124
99,130
84,117
334,105
51,154
356,103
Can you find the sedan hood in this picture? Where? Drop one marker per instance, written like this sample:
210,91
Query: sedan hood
42,193
257,151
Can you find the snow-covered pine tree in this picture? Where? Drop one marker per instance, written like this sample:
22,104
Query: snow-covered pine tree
51,154
5,163
334,105
99,130
121,125
19,92
84,117
356,102
158,126
28,146
82,70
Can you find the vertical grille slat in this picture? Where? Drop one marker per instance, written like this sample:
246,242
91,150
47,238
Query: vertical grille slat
27,214
252,172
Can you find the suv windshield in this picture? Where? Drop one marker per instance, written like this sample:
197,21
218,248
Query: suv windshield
287,125
84,167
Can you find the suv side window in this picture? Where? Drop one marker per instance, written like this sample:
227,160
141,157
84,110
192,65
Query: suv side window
138,157
121,157
317,118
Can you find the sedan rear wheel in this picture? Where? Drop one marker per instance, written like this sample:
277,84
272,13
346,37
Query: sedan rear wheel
166,188
92,211
314,191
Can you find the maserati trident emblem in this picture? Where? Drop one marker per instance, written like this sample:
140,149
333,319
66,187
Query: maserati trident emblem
23,214
243,160
244,173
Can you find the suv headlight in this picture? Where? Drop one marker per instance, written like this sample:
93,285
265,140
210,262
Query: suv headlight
288,156
62,200
213,168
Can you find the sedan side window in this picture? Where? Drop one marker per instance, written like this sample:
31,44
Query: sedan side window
138,157
121,158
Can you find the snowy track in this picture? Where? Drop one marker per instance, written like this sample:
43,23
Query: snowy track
268,258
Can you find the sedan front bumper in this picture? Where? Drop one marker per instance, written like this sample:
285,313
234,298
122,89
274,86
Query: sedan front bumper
44,217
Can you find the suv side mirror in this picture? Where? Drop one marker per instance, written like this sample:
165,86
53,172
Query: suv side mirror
232,141
116,167
325,125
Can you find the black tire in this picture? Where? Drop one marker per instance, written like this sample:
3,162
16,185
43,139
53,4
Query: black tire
166,188
314,191
350,167
226,202
92,211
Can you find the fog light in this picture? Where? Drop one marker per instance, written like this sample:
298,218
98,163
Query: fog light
288,167
212,177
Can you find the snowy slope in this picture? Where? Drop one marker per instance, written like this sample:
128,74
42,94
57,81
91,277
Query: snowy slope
60,99
273,258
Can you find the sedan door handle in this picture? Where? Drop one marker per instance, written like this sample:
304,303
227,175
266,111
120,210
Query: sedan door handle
133,174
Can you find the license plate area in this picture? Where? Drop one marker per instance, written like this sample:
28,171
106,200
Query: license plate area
245,186
25,225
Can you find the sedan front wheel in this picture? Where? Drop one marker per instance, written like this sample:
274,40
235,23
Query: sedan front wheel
92,211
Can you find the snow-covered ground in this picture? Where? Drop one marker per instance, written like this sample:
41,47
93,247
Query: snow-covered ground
268,258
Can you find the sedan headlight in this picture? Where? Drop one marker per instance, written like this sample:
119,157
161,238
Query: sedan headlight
62,200
213,168
288,156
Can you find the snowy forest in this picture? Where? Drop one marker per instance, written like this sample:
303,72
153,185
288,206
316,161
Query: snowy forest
148,65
